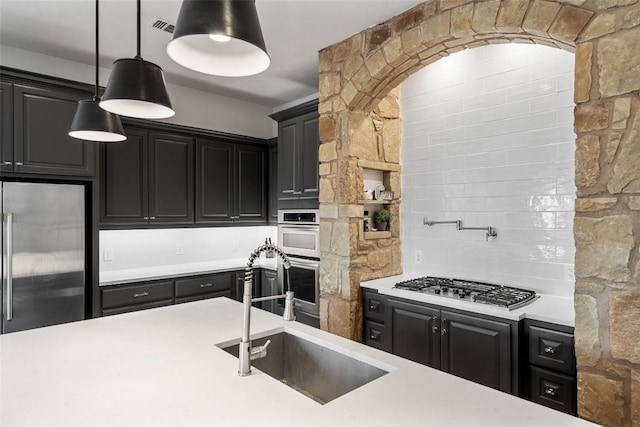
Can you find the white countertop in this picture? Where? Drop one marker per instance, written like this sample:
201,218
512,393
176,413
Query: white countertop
547,308
161,367
167,271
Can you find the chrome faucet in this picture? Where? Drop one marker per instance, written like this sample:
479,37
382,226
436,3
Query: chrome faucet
246,353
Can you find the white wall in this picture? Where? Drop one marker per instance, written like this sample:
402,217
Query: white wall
193,107
151,248
488,139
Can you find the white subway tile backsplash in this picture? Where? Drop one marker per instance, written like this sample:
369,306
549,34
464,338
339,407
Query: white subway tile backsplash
488,138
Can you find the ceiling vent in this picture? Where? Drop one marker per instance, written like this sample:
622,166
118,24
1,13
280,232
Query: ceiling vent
163,25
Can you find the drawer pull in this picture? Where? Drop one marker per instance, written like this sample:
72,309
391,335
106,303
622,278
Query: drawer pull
434,328
141,294
205,285
550,350
374,337
374,306
550,391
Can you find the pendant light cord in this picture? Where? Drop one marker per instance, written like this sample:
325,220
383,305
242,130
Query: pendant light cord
138,56
96,97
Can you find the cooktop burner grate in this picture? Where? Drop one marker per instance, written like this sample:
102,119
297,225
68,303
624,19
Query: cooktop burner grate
484,293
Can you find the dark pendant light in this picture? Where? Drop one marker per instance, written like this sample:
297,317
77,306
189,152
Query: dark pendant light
219,37
91,122
136,88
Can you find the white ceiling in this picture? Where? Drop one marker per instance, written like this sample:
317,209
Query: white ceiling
294,31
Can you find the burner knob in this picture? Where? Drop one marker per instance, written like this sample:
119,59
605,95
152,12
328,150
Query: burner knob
445,289
436,291
455,291
461,295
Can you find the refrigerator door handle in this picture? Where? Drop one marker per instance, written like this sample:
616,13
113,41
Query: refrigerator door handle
9,266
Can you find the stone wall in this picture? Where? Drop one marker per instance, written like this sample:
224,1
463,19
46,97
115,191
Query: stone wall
360,72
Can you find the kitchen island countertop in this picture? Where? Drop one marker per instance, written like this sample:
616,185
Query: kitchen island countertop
162,367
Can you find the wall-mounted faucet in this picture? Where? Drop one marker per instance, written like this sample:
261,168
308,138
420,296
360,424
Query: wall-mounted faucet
246,353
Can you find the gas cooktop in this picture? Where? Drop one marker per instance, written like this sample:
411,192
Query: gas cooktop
483,293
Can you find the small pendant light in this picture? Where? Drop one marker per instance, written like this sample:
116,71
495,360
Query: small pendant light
91,122
219,37
136,88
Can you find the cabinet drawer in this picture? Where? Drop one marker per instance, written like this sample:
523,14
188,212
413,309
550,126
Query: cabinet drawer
374,335
136,294
551,349
204,285
553,390
374,306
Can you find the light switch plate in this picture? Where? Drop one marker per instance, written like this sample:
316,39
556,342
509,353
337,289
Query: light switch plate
180,249
107,254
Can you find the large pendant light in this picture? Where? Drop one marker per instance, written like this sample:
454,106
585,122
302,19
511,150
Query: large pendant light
136,88
91,122
219,37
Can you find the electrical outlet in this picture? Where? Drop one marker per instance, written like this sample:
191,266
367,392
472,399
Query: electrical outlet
180,249
235,246
418,257
107,254
569,272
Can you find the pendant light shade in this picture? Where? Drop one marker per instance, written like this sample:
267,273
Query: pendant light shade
219,37
91,122
136,88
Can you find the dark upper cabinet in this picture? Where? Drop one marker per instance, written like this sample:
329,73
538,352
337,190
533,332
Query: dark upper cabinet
298,167
231,182
124,180
146,180
6,127
37,142
170,178
477,349
273,181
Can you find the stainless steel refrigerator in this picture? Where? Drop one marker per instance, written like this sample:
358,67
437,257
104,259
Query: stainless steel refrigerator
43,254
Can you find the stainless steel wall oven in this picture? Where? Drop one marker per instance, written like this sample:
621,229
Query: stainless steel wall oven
299,237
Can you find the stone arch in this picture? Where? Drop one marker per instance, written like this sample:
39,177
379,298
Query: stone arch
359,128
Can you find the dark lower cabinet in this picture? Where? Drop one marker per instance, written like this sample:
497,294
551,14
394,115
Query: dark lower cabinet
147,180
551,365
269,287
123,298
37,140
475,347
414,332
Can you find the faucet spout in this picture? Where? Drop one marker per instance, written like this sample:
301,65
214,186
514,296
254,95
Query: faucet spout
246,353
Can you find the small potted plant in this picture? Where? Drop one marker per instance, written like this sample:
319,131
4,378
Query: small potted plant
381,218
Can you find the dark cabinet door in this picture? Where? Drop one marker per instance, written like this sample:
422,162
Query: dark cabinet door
124,180
214,181
308,172
6,127
251,184
287,159
273,183
269,286
41,142
477,349
171,179
415,332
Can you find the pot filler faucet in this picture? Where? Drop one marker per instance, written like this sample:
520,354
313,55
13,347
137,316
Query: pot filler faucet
246,353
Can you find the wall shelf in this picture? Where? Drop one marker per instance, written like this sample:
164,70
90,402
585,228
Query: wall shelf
372,235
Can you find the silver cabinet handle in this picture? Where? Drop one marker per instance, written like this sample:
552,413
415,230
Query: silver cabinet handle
205,285
7,163
141,294
550,350
19,164
434,328
146,218
152,217
550,391
9,241
444,329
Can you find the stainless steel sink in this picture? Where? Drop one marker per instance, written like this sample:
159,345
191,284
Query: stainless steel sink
315,371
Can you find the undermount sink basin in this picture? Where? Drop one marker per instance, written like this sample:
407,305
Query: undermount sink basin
315,371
